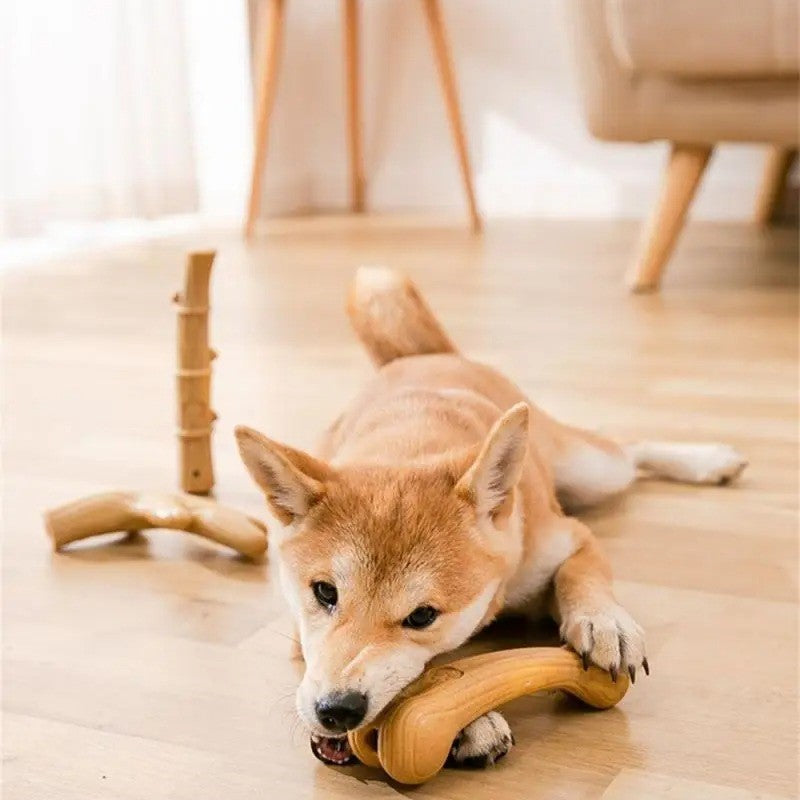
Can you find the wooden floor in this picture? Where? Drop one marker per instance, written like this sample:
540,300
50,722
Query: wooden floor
160,668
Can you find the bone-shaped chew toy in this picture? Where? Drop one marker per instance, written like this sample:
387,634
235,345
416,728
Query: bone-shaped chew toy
411,738
134,511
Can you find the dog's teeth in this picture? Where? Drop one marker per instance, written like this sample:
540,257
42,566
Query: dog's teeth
331,749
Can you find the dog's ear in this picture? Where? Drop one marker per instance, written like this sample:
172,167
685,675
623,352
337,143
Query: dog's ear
489,482
291,479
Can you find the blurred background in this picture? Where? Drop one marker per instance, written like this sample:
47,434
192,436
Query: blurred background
142,111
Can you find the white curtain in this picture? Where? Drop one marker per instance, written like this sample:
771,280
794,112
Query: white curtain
94,112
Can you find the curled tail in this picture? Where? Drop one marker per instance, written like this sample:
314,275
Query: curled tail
392,318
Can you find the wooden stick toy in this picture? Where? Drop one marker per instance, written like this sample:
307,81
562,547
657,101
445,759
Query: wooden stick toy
195,417
412,737
134,511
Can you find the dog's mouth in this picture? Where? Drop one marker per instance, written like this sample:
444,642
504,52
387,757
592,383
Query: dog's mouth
332,750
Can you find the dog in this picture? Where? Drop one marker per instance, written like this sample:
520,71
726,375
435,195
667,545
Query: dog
438,500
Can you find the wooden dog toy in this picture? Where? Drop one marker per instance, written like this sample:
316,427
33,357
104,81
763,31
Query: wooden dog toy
193,377
135,511
412,737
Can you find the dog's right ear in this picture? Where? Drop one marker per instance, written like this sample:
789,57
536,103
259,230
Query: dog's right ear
291,479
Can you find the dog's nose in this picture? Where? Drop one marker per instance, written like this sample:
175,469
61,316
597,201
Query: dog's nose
341,711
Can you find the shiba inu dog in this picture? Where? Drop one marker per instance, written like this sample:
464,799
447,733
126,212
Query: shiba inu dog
435,502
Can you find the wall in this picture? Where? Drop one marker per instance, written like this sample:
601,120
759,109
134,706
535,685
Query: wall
217,62
531,152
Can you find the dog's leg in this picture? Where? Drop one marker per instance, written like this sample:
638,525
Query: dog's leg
588,468
592,621
711,463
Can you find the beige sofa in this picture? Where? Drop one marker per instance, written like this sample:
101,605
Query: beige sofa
695,73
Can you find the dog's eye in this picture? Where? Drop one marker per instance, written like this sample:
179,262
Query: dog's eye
420,617
325,593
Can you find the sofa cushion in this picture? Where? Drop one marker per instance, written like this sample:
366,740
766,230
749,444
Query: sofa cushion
706,38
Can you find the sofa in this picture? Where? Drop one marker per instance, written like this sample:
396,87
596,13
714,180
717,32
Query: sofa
694,73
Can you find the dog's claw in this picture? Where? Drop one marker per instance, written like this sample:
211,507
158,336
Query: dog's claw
632,673
607,637
645,666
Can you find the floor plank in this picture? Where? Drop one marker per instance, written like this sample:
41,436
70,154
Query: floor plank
160,667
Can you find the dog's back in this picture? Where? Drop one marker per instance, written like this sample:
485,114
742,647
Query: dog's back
427,400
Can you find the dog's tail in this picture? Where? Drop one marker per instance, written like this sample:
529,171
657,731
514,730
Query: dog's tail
392,318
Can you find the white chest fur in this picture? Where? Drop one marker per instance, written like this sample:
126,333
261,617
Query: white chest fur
554,544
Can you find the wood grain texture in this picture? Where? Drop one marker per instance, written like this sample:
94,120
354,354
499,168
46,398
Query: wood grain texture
111,512
638,783
412,738
160,667
193,376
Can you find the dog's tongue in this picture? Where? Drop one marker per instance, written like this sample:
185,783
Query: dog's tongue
332,750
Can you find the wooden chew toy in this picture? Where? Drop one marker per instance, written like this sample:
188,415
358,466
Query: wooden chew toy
412,738
195,417
134,511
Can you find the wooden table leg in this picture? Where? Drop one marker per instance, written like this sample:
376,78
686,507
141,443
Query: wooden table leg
351,52
271,27
433,12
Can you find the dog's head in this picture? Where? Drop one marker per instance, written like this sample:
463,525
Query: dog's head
386,567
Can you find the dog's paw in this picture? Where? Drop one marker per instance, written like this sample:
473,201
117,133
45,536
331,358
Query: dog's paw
704,463
716,463
482,742
609,638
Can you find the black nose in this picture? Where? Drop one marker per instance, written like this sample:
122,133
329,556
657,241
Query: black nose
341,711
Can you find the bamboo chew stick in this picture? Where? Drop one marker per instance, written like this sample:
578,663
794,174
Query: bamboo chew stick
411,739
193,377
135,511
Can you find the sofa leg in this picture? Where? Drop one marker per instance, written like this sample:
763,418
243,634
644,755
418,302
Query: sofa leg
776,169
685,167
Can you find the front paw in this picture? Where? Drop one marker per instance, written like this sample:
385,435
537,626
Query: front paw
608,637
483,742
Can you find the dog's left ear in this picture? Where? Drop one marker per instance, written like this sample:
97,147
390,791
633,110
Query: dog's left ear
490,480
292,480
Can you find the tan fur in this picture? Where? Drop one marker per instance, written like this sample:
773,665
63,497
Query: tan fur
392,318
428,490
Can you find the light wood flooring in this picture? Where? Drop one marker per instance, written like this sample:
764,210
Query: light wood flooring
160,668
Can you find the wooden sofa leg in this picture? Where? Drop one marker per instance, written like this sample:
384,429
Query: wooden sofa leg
685,167
776,169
